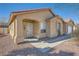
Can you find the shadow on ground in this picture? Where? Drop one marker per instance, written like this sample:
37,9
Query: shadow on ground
38,52
2,35
49,40
56,39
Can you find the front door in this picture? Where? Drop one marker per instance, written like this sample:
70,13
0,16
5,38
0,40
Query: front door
59,28
29,30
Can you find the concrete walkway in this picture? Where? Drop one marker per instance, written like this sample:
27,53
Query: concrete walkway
47,45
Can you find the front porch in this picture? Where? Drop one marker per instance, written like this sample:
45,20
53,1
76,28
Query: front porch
31,30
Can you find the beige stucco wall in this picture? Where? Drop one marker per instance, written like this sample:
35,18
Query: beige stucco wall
18,30
53,30
43,34
37,29
11,27
65,28
41,15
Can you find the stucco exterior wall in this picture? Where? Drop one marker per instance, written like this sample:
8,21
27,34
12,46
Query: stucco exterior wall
18,30
53,27
41,15
11,27
37,29
43,34
65,28
51,31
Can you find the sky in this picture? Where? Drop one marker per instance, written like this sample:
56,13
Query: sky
66,11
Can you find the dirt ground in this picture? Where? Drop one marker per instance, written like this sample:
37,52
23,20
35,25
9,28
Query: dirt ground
71,47
7,47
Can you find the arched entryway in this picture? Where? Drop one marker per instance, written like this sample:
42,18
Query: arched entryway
31,28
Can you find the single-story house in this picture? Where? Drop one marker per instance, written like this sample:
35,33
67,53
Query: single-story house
37,23
3,28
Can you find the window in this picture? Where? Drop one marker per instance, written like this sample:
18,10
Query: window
43,27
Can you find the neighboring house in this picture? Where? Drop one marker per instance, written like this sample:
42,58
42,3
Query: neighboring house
37,23
70,26
3,28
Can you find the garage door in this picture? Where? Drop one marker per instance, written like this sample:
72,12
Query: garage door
69,29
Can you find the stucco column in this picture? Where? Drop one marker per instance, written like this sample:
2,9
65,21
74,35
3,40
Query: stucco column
18,31
50,25
62,28
37,29
49,28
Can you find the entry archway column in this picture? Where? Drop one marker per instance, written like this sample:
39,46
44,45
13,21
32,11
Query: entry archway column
18,31
36,30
